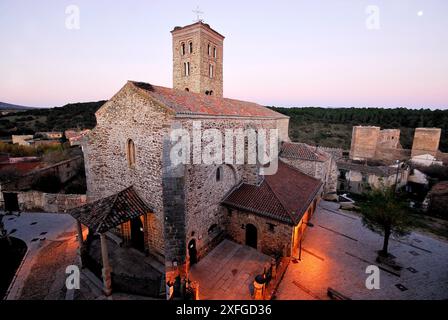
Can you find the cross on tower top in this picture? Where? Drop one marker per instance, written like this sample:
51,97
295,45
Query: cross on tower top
198,13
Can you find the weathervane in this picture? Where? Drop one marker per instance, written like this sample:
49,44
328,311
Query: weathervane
198,13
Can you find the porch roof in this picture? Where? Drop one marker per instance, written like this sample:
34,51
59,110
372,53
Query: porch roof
107,213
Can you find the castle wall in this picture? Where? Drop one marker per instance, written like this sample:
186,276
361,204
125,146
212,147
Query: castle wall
426,141
364,142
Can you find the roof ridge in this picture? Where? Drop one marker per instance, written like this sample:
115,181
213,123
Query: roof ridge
108,212
279,200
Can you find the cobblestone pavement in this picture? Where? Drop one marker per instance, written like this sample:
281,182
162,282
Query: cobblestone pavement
228,272
52,244
337,250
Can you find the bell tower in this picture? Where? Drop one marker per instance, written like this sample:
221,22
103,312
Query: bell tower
198,59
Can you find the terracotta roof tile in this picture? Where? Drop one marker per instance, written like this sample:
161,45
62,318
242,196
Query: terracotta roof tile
284,196
107,213
302,151
183,102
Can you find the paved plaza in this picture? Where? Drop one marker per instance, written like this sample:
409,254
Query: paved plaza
337,250
228,272
52,245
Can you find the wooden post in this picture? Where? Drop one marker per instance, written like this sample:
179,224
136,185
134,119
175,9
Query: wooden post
107,281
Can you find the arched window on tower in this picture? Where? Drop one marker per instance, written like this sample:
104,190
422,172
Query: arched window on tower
190,47
219,173
209,50
130,152
182,49
211,71
215,52
186,69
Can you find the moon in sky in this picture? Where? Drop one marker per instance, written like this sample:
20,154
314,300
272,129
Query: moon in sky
420,13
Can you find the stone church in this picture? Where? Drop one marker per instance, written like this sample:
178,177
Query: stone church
176,215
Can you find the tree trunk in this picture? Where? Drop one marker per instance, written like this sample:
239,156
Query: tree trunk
386,242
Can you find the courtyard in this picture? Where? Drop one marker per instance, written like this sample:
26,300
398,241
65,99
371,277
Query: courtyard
228,272
337,250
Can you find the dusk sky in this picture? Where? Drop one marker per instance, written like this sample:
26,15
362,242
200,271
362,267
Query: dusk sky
282,53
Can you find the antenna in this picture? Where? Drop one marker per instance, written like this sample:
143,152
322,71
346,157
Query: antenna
198,13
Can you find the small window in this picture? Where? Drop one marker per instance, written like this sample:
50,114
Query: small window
182,49
213,228
271,227
190,47
131,153
219,174
186,69
215,52
209,50
186,89
211,70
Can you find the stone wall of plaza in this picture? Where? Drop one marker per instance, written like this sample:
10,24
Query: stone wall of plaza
126,116
274,238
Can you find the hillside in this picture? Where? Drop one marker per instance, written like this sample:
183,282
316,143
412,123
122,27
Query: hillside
321,126
333,127
13,107
76,115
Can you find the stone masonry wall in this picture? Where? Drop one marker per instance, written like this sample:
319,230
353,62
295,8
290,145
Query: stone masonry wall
199,80
34,201
276,242
126,116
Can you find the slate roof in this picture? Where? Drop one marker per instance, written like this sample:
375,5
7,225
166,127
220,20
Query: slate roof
284,197
110,212
302,151
190,103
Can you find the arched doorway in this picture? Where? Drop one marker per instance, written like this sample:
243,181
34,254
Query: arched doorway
251,236
192,252
137,234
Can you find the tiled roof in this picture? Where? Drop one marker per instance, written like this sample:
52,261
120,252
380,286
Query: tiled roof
183,102
382,171
284,196
109,212
302,151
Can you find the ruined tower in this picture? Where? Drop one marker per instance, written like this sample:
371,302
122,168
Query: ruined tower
198,59
426,141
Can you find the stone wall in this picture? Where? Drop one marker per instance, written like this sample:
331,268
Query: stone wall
65,170
272,242
326,171
426,141
199,80
129,116
364,142
34,201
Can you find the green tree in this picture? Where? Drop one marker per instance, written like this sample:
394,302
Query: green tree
385,213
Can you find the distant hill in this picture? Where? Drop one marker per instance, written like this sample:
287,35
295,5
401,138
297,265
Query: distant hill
8,106
330,127
30,121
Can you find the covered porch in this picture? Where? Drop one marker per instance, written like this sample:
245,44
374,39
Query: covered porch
114,248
